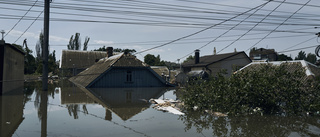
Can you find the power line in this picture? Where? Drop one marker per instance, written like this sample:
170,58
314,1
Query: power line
279,25
21,18
252,27
299,43
200,30
28,27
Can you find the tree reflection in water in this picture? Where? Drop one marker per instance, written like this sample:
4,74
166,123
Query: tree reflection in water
253,125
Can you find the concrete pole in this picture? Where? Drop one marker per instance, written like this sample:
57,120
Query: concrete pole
45,50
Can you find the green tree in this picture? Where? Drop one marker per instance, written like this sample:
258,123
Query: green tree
312,58
104,48
153,61
75,42
283,57
29,60
301,56
52,66
101,49
188,59
265,89
150,59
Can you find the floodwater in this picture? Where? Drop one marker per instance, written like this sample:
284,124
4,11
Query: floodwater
68,111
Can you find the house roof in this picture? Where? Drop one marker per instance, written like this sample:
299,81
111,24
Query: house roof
80,59
310,69
87,76
210,59
160,69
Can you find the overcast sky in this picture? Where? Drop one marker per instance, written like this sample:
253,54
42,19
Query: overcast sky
175,27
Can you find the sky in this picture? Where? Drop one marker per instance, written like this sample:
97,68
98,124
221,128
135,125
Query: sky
172,29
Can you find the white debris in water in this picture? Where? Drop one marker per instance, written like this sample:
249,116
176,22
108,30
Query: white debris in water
170,110
167,106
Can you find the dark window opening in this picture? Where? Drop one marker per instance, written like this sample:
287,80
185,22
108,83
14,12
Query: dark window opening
129,76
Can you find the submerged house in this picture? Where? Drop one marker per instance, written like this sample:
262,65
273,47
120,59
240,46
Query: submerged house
11,67
310,69
122,70
72,62
213,64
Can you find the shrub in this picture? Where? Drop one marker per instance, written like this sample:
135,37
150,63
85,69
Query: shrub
266,89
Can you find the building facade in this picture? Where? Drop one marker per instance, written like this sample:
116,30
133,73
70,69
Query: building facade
213,64
11,67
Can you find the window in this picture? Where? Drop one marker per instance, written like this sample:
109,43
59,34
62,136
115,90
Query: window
129,76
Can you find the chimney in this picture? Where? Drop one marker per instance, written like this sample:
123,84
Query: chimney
196,56
109,52
214,51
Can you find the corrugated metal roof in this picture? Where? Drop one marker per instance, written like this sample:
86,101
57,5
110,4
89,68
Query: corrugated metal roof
310,69
87,76
210,59
80,59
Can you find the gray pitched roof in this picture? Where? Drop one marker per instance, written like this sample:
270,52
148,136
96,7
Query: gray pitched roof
310,69
87,76
80,59
210,59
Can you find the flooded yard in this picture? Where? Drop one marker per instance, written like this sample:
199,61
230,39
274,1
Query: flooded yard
67,110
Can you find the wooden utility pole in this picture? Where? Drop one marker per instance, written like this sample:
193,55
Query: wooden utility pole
45,50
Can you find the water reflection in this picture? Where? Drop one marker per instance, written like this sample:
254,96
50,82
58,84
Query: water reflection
124,102
253,125
11,111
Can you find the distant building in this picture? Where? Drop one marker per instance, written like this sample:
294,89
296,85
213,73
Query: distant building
122,70
72,62
11,67
263,54
213,64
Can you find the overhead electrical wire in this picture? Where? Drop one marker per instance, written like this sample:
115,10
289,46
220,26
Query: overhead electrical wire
299,43
28,27
200,30
227,30
21,18
252,27
279,25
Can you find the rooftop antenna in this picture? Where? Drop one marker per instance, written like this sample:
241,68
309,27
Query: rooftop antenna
2,32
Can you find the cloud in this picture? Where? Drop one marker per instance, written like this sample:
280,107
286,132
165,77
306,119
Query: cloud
58,39
17,33
103,42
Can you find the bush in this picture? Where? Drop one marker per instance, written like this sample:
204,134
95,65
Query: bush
265,89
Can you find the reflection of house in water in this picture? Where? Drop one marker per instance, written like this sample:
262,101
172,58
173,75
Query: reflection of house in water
11,67
123,70
124,102
11,112
74,95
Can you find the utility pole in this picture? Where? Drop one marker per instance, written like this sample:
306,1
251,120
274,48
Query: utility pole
45,50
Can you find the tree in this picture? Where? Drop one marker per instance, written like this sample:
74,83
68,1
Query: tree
116,50
124,50
29,60
75,43
301,56
188,59
101,49
153,61
312,58
283,57
52,66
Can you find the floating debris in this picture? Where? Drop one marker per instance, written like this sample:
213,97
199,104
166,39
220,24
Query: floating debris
168,105
217,114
